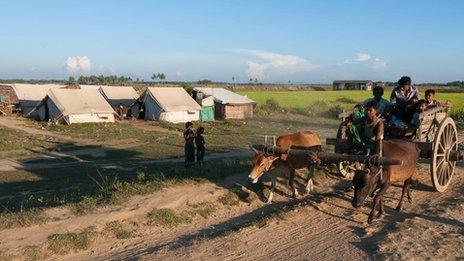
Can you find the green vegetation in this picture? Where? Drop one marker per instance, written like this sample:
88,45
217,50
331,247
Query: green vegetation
21,219
118,231
18,143
167,217
85,188
303,99
65,243
234,196
203,209
102,80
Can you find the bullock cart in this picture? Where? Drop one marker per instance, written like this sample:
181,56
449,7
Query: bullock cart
436,137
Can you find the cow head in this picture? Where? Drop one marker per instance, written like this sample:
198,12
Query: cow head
260,164
364,182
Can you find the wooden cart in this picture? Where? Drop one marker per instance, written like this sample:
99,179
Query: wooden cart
437,138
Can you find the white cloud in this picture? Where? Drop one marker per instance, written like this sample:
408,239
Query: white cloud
267,61
366,59
362,57
379,63
76,64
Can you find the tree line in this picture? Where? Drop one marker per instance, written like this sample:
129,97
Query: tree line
101,80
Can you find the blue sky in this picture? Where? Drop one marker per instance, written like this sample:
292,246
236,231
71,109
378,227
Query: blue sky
274,41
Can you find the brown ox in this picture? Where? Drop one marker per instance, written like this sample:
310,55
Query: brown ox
375,180
264,163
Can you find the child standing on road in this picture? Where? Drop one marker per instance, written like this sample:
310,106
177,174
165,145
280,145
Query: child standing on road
200,142
189,137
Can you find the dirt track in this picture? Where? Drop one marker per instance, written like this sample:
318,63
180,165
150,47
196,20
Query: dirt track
321,226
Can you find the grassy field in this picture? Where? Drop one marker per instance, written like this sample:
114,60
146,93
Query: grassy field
303,99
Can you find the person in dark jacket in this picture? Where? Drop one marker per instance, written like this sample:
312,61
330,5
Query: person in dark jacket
403,98
200,143
189,137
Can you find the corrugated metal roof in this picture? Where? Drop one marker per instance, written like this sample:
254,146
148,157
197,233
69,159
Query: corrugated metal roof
224,96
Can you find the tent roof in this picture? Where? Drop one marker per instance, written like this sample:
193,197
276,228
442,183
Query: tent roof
173,99
33,92
89,87
77,101
224,96
119,93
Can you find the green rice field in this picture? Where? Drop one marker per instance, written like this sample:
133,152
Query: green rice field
302,99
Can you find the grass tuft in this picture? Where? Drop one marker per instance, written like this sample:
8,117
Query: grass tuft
22,219
166,217
64,243
117,229
230,199
203,209
85,206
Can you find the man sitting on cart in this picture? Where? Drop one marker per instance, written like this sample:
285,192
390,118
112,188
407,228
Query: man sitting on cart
403,99
382,104
368,137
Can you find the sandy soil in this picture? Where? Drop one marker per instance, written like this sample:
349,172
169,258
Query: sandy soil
322,225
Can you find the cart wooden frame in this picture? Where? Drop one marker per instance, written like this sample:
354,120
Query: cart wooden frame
436,136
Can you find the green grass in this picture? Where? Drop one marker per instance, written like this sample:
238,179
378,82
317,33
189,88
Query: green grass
118,231
303,99
167,218
84,188
65,243
21,219
16,143
203,209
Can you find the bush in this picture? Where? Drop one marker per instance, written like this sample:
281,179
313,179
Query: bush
334,111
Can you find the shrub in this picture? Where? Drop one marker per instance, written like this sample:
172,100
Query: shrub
166,217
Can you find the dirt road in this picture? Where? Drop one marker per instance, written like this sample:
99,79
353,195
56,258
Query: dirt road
320,226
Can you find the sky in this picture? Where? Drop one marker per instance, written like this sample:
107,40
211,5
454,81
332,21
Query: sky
271,40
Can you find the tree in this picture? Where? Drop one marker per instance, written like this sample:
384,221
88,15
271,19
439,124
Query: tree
162,77
71,79
256,80
233,78
154,76
251,79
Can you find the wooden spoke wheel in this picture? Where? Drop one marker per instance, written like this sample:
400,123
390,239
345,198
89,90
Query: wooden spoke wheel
445,144
345,169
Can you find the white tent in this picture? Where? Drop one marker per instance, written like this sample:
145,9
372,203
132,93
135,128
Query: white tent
89,87
116,95
29,95
171,104
75,106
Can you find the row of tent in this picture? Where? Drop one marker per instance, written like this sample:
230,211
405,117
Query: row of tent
92,103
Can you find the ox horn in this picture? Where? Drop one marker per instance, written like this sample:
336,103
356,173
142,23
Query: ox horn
254,149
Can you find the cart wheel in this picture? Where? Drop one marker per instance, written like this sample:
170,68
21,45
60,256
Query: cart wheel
347,169
442,168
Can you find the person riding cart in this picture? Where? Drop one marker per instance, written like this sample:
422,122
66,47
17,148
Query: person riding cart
403,99
369,136
383,105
